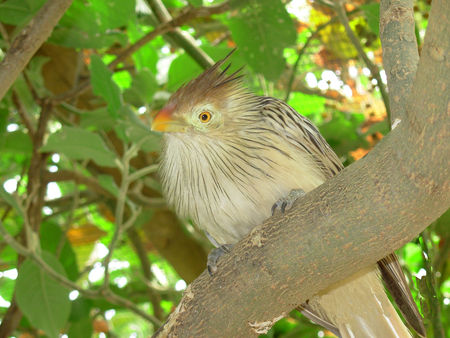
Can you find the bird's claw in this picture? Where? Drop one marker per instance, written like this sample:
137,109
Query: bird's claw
285,203
214,256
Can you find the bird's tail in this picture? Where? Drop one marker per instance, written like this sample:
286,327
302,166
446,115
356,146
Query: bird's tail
359,307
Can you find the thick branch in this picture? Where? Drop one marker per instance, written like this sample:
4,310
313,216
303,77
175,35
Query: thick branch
348,223
400,54
29,40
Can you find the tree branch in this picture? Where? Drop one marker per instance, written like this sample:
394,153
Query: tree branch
346,224
69,175
183,40
154,297
400,53
26,119
29,40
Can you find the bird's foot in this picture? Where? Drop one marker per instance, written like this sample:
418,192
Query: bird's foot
285,203
214,256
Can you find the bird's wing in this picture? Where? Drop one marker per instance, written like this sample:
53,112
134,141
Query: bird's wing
395,282
304,135
309,313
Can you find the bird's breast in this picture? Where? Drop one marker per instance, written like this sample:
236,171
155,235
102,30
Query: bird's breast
227,190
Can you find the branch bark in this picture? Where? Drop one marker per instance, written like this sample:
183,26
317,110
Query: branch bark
29,40
400,53
348,223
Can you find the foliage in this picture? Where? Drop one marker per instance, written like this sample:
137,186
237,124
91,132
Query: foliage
79,188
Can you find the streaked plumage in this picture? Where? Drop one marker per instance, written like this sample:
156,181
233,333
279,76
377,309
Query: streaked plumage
229,155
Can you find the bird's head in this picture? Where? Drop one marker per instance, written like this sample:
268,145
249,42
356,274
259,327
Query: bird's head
206,105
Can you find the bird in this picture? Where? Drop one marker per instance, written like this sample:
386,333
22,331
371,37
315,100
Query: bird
231,158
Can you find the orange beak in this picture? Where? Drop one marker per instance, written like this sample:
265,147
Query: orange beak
164,121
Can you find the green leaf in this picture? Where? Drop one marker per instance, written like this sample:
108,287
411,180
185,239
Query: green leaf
98,118
7,288
142,88
50,237
372,14
412,254
17,12
25,97
81,308
4,113
73,37
122,79
442,227
146,56
104,86
113,14
80,144
43,301
135,132
261,31
307,104
107,182
196,3
93,24
81,329
341,132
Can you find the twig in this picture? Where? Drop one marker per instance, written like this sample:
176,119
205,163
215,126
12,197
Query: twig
29,40
300,53
153,202
26,119
71,175
183,40
120,206
430,283
154,297
4,34
399,42
342,14
87,202
113,298
143,172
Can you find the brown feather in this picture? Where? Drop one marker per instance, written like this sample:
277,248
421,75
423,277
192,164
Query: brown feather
395,282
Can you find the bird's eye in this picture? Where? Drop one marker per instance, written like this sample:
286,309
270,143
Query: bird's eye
205,116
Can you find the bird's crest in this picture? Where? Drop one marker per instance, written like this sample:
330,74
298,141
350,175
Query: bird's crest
213,83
